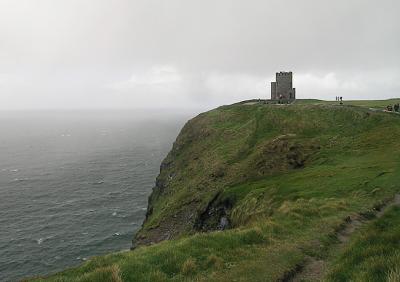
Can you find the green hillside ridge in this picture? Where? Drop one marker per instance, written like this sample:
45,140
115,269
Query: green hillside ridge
282,181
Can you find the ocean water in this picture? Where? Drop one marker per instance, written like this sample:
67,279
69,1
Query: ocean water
75,184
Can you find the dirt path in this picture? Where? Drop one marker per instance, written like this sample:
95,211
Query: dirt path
314,269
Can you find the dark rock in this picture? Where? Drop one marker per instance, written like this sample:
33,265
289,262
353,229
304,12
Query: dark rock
223,223
215,216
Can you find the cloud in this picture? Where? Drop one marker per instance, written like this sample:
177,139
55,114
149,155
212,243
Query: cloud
166,82
228,87
325,86
157,77
4,78
131,53
328,82
159,86
377,84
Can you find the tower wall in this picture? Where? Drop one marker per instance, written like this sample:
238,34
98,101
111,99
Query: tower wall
273,90
284,84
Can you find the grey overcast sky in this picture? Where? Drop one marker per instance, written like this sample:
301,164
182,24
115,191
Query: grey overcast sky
58,54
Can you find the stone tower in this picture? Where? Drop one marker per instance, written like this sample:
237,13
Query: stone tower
283,89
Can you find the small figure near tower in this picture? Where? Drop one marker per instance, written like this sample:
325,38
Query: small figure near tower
282,90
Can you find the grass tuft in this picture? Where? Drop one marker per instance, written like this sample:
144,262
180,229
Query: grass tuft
157,276
215,262
394,275
189,267
103,274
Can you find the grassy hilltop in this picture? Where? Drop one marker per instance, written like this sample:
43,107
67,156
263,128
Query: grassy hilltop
296,188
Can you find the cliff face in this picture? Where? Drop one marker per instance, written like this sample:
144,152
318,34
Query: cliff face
235,144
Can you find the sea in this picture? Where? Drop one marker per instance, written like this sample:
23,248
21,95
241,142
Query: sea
75,184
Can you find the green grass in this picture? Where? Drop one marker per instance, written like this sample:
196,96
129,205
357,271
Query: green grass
292,174
379,104
373,254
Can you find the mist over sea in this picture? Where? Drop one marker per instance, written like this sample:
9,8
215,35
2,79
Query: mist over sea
74,184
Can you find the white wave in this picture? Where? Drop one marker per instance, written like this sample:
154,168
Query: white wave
20,179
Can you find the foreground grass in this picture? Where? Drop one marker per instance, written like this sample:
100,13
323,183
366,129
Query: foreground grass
281,213
373,254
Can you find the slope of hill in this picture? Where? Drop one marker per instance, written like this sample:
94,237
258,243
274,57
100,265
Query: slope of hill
265,192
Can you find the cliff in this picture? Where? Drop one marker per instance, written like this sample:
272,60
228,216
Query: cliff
221,149
257,192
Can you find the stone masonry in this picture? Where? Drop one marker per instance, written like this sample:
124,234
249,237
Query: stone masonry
282,89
